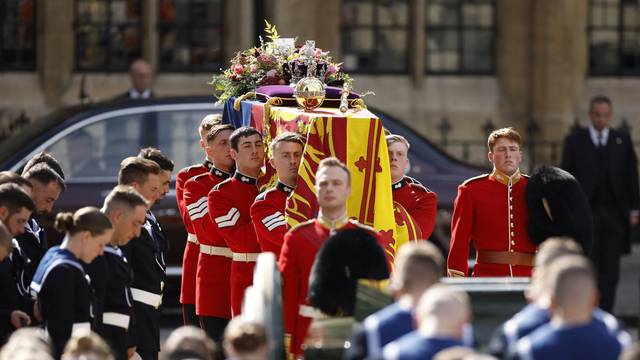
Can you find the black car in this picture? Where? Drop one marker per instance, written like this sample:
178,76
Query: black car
90,140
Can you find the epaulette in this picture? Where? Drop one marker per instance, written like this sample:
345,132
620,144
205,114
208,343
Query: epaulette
363,226
411,180
190,167
479,177
420,187
220,185
304,223
261,196
199,176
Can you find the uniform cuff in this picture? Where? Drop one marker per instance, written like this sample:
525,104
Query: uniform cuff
455,273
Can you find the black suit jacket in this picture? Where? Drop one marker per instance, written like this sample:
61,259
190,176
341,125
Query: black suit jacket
579,156
147,263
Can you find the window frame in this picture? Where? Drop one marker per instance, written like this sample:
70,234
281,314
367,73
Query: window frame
190,26
459,30
106,65
376,28
16,67
619,28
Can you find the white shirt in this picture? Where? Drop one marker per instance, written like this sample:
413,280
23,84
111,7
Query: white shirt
594,135
134,94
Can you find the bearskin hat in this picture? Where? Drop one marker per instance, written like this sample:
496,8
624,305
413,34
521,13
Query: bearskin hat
347,256
558,207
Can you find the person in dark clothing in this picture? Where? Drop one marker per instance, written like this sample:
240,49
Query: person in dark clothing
15,208
418,266
147,259
111,275
571,333
604,162
60,284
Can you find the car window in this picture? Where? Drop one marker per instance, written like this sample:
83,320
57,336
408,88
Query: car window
97,149
178,136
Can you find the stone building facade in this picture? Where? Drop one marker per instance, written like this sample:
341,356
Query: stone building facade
536,61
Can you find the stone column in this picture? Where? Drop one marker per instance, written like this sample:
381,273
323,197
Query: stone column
150,32
56,51
239,28
310,20
559,66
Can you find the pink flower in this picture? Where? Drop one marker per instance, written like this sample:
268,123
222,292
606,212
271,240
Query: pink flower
281,82
272,73
332,69
253,68
238,69
318,53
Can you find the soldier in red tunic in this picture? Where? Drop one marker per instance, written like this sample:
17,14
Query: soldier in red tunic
302,243
229,208
420,202
189,259
267,212
213,265
491,209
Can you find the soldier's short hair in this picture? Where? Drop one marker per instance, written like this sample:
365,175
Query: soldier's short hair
207,123
508,133
43,157
394,138
447,304
189,342
549,251
600,99
155,155
9,177
136,169
244,336
85,344
572,279
123,197
334,162
417,264
216,130
242,132
44,174
14,198
286,136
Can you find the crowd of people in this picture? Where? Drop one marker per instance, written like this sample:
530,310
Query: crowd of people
99,294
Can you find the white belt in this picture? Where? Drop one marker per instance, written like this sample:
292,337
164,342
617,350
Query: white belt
311,312
215,250
192,238
80,326
246,257
146,297
116,319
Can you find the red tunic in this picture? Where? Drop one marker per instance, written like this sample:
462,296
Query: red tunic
231,215
267,214
187,288
208,273
301,244
495,216
420,202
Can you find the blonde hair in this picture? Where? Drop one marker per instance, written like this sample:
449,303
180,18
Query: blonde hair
393,138
286,136
207,123
85,344
417,264
334,162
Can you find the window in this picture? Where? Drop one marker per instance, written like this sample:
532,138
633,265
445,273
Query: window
460,36
614,37
96,150
108,34
375,36
18,39
191,35
178,136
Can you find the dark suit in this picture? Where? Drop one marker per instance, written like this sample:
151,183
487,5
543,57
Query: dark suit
609,177
146,256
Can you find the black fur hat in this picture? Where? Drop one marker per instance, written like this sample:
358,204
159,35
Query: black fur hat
558,207
344,258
